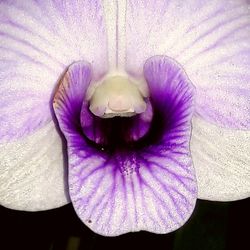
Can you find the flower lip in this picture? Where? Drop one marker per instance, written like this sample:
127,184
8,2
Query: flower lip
144,184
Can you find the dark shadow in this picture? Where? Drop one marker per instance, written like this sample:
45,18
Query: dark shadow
212,226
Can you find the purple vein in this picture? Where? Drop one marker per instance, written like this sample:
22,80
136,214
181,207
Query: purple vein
32,47
211,30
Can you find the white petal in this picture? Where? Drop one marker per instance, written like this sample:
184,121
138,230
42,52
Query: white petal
32,174
221,160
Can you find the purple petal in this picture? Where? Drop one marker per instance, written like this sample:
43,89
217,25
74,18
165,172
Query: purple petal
70,95
38,40
148,185
211,39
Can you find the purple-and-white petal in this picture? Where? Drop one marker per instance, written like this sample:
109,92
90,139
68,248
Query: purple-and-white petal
38,40
210,39
148,185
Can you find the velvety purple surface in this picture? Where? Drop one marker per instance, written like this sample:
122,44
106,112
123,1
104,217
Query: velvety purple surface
117,130
123,186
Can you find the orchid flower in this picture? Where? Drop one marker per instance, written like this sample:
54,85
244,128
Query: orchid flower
130,109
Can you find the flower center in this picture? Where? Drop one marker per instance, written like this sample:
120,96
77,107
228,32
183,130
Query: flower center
117,96
127,106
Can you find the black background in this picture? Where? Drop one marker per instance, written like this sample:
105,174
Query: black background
212,226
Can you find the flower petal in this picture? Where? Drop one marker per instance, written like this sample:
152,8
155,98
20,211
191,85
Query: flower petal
221,159
38,39
149,186
211,39
32,176
70,96
22,111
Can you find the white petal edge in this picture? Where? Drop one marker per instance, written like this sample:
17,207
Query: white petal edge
32,173
221,160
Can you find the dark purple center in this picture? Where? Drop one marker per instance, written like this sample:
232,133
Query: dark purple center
116,132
